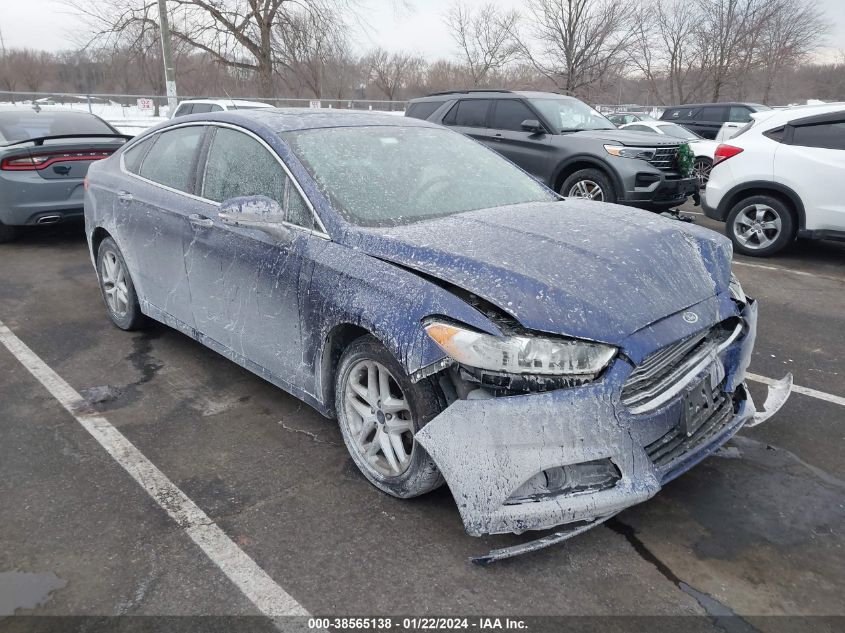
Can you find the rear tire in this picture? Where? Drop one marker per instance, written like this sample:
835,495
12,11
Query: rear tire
7,233
701,170
760,226
589,184
117,288
376,402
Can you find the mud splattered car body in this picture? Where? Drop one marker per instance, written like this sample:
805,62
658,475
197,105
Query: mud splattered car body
649,302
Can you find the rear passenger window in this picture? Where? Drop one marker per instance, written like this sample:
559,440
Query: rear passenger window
238,165
718,114
170,161
133,156
183,109
215,108
739,114
822,135
468,113
201,108
510,114
423,109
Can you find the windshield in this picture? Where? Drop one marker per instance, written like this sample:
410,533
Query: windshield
27,124
571,115
673,129
388,176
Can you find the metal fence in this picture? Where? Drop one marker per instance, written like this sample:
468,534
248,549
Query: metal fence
158,103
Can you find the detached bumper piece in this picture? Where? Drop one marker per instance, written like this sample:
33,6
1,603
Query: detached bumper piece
775,399
540,543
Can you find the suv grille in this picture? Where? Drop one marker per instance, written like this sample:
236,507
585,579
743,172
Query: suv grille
664,158
665,373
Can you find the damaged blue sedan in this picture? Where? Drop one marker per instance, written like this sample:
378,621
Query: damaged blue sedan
553,361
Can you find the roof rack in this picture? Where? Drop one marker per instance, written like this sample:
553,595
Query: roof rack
452,92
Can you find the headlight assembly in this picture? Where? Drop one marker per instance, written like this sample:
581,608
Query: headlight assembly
521,354
642,153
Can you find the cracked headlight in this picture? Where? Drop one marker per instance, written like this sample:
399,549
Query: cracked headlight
641,153
521,354
737,293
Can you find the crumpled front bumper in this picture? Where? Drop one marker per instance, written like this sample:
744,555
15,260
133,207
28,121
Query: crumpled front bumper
487,449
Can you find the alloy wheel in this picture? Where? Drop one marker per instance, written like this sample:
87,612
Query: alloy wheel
380,422
757,226
113,279
587,189
701,170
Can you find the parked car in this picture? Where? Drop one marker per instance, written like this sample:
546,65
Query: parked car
407,280
566,144
781,178
44,156
706,119
703,149
201,106
622,118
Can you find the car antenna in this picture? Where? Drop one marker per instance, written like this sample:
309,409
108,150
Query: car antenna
230,98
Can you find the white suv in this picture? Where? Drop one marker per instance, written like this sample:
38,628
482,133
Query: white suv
781,177
198,106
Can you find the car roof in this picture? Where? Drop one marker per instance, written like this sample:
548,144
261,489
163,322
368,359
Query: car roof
291,119
489,94
227,102
717,103
798,114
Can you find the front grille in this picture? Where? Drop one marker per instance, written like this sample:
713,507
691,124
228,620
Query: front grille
707,421
666,372
664,158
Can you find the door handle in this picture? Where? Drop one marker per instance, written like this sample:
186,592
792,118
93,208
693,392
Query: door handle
200,220
124,196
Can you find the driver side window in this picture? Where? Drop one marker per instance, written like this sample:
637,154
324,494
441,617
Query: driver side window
238,165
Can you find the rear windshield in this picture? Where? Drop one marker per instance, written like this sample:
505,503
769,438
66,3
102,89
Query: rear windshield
27,124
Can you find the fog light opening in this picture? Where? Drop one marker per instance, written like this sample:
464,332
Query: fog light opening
585,477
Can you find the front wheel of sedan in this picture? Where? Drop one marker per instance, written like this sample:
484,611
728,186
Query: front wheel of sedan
117,288
379,411
760,226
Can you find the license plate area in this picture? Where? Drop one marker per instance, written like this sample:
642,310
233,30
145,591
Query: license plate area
702,401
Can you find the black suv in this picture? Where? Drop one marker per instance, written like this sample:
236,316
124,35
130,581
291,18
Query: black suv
706,119
566,144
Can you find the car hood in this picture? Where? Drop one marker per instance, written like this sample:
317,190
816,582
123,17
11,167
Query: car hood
575,267
627,137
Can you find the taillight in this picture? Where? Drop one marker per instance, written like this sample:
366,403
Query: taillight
41,161
724,152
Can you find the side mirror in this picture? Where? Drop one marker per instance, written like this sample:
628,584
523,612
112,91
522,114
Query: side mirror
255,212
533,126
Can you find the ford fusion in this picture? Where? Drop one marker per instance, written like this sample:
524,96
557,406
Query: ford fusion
553,361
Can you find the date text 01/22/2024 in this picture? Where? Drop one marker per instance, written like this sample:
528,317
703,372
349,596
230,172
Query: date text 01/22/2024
417,623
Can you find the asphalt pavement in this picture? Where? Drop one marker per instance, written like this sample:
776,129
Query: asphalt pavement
752,533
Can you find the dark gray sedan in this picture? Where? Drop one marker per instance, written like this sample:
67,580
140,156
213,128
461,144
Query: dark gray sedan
44,157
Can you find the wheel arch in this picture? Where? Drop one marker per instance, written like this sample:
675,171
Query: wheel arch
335,343
765,188
97,236
585,161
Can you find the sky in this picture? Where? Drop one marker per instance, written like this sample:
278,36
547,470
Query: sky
419,28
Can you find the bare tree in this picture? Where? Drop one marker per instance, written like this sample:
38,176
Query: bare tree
390,72
578,42
484,36
792,32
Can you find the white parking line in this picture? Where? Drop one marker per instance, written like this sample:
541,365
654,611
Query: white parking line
253,581
821,395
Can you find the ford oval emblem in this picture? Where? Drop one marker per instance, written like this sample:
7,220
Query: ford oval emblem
690,317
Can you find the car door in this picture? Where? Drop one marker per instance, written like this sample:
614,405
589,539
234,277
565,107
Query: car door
245,284
529,150
154,206
469,116
811,161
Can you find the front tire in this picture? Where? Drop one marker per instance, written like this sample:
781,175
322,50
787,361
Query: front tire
701,170
590,184
117,288
760,226
379,411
